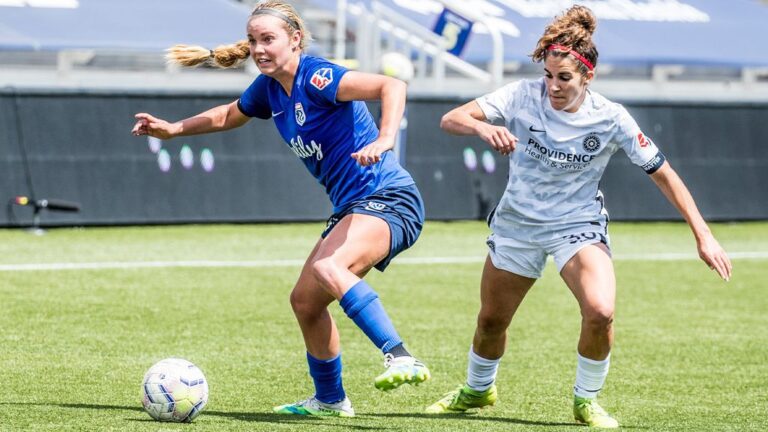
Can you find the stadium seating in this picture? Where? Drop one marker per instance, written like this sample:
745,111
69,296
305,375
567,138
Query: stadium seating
659,50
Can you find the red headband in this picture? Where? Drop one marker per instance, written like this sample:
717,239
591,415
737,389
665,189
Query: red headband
578,56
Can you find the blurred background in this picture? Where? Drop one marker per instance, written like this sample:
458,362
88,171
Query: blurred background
693,73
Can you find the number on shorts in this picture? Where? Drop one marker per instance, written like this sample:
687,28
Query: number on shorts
581,237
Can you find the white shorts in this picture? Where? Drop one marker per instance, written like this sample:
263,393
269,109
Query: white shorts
525,252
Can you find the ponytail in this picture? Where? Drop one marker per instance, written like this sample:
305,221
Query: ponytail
223,56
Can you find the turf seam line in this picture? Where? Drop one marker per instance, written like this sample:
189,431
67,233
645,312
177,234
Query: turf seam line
297,263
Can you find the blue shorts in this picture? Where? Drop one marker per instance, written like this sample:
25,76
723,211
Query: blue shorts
401,208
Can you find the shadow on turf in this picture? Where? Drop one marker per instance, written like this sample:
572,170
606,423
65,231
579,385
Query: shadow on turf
471,417
345,423
331,422
242,416
86,406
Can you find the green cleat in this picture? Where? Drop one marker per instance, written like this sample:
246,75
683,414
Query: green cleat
313,407
401,370
462,399
587,411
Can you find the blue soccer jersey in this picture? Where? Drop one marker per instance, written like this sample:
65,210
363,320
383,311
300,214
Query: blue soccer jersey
324,132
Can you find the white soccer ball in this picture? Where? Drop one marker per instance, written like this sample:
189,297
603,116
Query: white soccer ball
174,390
397,65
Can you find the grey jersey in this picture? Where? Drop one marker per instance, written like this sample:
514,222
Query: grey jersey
555,170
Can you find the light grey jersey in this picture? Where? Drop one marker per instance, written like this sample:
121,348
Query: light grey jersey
555,170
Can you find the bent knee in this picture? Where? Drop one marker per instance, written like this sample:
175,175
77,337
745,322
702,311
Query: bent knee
490,324
325,270
598,317
304,305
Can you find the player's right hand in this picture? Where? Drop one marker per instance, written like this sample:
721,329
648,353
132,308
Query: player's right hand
146,124
499,137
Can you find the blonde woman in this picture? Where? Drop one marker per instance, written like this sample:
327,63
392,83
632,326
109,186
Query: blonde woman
377,210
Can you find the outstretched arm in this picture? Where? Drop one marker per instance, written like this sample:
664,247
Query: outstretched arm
391,93
220,118
710,250
469,119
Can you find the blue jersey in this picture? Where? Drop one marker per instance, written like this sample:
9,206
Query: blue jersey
324,132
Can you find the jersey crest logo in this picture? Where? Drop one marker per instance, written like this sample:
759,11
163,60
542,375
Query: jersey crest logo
591,143
301,117
641,139
375,206
321,78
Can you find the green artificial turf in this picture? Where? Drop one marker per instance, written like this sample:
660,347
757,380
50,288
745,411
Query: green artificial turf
690,351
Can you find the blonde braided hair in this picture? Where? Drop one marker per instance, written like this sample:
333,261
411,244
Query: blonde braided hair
227,56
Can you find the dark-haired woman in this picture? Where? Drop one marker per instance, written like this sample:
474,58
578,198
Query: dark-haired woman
559,136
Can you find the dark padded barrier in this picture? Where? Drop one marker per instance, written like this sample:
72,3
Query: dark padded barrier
435,159
76,146
718,150
80,149
12,176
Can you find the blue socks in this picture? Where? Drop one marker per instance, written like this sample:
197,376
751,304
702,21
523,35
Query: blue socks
362,305
327,377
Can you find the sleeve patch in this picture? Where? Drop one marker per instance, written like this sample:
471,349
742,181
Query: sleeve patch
654,164
322,78
641,140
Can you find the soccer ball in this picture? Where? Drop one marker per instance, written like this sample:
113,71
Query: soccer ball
174,390
397,65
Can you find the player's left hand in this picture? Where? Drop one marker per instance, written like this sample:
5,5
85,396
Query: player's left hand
371,153
713,254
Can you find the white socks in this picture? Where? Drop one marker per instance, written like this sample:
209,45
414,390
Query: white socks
481,372
590,376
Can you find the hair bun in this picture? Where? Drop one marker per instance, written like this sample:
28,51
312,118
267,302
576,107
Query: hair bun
582,17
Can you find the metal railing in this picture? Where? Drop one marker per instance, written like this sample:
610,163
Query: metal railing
381,29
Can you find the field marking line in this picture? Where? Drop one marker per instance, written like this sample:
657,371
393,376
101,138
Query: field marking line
297,263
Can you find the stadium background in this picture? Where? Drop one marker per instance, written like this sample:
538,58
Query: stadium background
87,311
66,106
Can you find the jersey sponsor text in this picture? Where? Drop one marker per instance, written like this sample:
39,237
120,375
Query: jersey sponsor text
556,158
306,150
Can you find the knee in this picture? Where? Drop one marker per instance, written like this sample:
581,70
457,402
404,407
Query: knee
303,306
491,324
598,317
324,271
